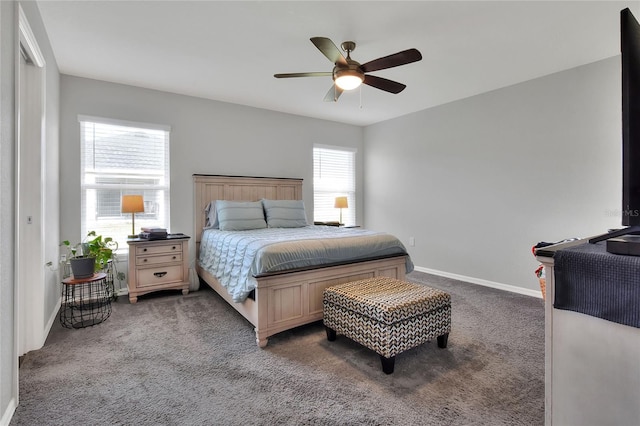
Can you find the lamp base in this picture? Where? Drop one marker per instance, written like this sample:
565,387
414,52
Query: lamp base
132,236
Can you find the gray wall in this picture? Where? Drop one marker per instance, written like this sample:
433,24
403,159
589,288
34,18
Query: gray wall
477,182
207,137
8,365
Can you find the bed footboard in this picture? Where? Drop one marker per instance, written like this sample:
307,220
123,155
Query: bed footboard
289,300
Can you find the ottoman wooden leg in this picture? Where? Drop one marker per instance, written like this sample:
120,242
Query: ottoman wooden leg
388,364
442,340
331,334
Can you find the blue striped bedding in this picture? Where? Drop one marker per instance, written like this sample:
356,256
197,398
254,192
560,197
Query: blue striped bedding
235,258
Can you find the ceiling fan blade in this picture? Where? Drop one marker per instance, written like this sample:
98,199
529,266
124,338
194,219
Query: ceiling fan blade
303,74
401,58
329,49
384,84
333,94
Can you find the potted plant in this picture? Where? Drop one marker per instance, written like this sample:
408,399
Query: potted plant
101,249
91,255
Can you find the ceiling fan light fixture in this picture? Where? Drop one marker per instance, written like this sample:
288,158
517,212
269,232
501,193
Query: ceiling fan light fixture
348,79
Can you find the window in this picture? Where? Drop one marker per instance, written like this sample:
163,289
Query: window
334,175
121,158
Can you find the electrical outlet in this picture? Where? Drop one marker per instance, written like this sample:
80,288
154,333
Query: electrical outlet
29,220
412,241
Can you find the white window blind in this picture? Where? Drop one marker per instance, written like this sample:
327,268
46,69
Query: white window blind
123,158
334,175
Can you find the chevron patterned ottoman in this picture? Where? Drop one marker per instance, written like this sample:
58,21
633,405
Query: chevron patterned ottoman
387,316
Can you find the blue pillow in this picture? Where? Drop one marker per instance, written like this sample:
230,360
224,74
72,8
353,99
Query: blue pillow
240,215
211,219
285,213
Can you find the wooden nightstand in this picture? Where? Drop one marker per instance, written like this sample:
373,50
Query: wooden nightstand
158,265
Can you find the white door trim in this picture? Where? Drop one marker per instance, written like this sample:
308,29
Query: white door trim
28,39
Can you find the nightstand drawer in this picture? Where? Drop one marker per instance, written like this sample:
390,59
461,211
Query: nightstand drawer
160,275
154,260
158,249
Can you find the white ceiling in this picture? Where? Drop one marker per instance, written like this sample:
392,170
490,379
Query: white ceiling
229,51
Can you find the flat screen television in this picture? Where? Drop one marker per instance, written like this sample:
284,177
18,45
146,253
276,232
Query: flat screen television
630,50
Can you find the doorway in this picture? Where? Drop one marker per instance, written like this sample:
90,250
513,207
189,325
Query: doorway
29,250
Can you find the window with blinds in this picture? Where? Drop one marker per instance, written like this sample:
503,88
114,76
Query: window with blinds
334,175
123,158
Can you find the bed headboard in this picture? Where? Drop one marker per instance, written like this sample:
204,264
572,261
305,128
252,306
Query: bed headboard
208,188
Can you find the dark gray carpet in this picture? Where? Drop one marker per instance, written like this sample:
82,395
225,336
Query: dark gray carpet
193,360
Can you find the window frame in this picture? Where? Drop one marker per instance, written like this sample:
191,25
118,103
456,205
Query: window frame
326,212
159,191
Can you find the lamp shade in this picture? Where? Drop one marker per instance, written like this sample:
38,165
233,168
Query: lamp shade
341,203
132,204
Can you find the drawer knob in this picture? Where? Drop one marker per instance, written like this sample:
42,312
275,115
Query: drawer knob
145,260
174,258
173,248
144,250
159,274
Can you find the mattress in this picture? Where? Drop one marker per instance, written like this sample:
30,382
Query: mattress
236,258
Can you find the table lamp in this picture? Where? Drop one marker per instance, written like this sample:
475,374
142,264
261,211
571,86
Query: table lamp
132,204
341,203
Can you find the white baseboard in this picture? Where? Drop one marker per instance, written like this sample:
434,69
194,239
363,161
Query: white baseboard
479,281
52,319
8,413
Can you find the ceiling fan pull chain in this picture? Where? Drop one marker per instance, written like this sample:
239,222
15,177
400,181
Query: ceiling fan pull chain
361,97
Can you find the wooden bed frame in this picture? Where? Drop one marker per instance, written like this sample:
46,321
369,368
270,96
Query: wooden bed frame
286,300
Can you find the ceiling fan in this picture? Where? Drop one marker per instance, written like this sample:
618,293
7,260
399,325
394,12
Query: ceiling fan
348,74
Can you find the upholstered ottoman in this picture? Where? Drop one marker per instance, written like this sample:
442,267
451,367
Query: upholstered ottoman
387,316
